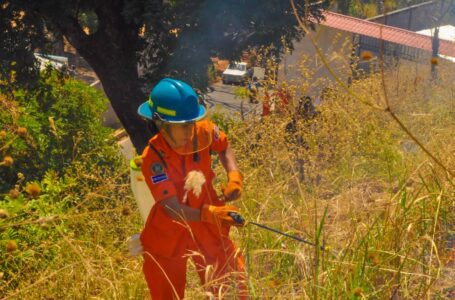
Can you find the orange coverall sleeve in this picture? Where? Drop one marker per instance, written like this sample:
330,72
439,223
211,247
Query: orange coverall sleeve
156,176
219,140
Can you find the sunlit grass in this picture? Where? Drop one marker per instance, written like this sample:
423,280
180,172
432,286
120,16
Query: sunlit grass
388,206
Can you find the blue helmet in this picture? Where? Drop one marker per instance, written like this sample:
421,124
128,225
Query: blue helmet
172,101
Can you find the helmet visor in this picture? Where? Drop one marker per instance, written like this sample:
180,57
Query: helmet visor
187,138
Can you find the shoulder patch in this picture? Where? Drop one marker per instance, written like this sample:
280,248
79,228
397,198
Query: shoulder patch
159,178
216,132
157,168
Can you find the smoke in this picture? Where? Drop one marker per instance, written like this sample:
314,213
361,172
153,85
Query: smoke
198,30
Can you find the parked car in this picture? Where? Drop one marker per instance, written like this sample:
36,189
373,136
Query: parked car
237,72
57,62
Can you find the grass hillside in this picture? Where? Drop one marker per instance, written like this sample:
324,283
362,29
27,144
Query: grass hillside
383,209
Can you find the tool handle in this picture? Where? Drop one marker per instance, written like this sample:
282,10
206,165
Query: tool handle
236,217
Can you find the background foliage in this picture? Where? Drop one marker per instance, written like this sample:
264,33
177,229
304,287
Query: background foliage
62,121
67,175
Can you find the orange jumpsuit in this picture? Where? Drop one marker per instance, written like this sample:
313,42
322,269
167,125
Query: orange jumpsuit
168,243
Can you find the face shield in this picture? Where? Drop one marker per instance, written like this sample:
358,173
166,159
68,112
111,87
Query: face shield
187,138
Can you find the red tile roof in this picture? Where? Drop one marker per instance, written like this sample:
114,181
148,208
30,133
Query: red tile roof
386,33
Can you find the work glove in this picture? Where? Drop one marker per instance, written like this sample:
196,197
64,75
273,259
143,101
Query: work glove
225,215
233,190
135,245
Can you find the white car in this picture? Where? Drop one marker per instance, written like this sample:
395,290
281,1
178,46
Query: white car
237,72
57,62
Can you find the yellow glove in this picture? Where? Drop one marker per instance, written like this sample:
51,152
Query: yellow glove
233,190
220,215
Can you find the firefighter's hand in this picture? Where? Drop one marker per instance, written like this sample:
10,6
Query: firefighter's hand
221,215
233,190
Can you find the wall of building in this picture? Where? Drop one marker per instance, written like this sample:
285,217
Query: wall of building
413,18
303,67
337,47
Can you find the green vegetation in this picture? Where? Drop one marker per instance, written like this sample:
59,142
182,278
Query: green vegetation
60,122
368,9
64,199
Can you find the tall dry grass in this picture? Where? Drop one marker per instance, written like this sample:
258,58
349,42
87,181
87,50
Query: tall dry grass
379,203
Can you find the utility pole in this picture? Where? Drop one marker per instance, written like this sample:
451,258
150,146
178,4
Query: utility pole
443,10
435,51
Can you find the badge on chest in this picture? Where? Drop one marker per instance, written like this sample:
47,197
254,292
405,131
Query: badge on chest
158,174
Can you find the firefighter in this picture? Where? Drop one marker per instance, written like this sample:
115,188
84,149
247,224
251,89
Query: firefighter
187,223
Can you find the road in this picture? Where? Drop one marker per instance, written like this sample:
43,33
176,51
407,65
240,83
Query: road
222,99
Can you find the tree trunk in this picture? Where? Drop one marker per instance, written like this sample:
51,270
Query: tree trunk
120,81
112,53
121,85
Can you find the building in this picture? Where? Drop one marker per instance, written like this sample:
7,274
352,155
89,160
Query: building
343,38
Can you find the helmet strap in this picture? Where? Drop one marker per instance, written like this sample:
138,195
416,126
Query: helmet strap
195,145
158,123
152,127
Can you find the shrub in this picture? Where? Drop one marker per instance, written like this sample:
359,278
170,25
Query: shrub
66,175
51,126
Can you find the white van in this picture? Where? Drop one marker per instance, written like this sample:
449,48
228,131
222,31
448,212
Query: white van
237,72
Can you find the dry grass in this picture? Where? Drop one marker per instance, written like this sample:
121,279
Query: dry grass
371,193
381,206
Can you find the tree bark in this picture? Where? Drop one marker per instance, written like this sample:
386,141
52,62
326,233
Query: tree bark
121,85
